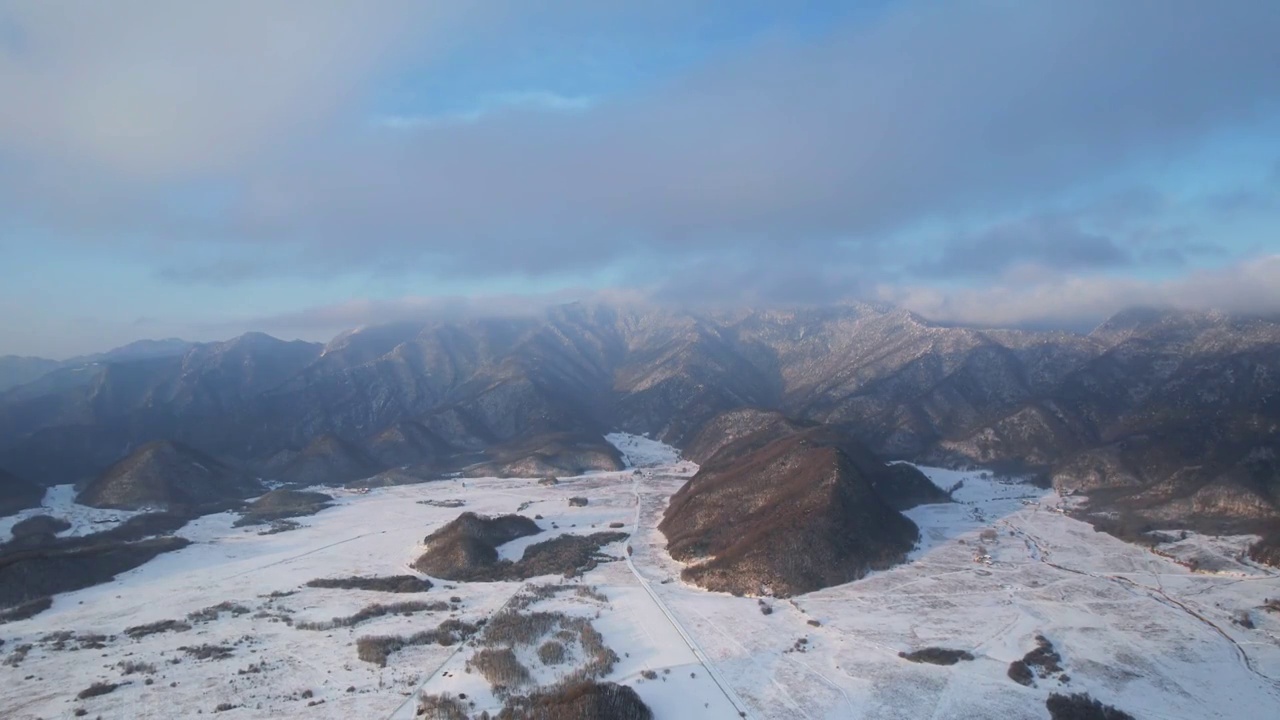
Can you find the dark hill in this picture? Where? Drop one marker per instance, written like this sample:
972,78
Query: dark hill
167,475
468,546
786,515
327,460
280,504
407,443
564,453
729,427
17,494
1169,418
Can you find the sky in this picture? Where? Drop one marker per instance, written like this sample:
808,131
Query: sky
201,169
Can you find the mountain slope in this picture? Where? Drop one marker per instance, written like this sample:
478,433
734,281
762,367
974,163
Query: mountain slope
783,515
17,494
167,475
1168,414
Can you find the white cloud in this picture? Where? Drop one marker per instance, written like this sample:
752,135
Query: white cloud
526,100
157,89
1250,287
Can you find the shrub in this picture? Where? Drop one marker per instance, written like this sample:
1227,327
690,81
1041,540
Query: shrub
377,648
208,652
39,525
140,631
937,656
392,584
213,612
375,610
129,667
578,700
26,610
96,689
1082,707
441,707
551,653
500,668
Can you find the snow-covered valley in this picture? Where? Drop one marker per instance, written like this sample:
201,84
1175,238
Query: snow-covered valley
994,570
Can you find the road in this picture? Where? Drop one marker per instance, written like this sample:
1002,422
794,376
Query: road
712,672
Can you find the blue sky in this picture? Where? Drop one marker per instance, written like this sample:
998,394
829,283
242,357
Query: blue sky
202,169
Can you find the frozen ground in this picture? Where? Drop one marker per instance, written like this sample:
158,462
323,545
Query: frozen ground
59,501
1137,629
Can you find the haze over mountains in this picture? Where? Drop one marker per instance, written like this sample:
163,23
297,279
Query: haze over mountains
1167,416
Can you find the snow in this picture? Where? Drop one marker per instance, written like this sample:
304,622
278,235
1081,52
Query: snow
59,501
1136,629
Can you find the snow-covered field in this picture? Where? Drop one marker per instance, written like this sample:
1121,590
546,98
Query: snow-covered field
1135,629
59,501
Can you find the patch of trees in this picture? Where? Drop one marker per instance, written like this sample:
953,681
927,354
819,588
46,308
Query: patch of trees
213,612
1082,707
25,610
501,668
377,648
1267,550
578,700
936,656
281,504
208,651
39,525
376,610
96,689
466,550
441,707
51,565
1043,661
161,626
391,584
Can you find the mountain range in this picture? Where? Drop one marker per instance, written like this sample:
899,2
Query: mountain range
1162,417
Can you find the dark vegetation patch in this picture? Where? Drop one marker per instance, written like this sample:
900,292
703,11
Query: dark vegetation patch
375,610
208,652
1042,662
452,503
377,648
96,689
1267,550
391,584
213,612
65,564
552,652
1080,706
936,656
787,512
281,504
19,653
501,668
25,610
39,525
18,493
442,707
279,526
512,628
577,501
141,631
466,550
578,700
130,667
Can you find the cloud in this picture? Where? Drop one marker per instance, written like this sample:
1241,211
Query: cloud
158,89
1049,241
784,168
1250,287
325,321
527,101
